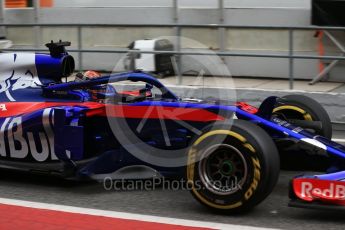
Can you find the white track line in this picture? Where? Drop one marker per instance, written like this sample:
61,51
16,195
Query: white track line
124,215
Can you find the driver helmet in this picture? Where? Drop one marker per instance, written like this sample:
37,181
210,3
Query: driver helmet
88,75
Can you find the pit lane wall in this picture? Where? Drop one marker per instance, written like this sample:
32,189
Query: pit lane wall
250,12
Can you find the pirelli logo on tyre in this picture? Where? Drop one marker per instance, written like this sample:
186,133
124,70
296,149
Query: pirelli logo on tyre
256,179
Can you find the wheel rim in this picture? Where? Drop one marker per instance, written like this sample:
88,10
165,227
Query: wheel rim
223,169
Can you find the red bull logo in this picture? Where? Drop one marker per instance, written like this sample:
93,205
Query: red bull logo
315,189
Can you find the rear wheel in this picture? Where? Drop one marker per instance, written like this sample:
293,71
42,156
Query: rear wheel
232,169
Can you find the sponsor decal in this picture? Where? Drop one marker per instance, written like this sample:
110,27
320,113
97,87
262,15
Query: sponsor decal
297,130
281,122
17,72
33,141
3,107
310,190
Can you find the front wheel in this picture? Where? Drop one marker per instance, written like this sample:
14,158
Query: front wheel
294,156
300,107
232,168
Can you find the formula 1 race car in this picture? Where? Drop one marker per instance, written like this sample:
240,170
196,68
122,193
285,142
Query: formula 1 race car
229,153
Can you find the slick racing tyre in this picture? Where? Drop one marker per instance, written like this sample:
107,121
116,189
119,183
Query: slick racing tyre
296,156
231,169
300,107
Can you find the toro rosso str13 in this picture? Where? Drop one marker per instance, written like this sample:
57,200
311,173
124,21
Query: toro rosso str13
229,153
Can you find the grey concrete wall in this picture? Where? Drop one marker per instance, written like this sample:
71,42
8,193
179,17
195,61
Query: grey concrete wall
186,3
275,42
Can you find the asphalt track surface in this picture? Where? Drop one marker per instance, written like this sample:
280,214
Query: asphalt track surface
272,213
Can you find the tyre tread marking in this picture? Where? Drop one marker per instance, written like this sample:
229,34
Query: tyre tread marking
306,115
